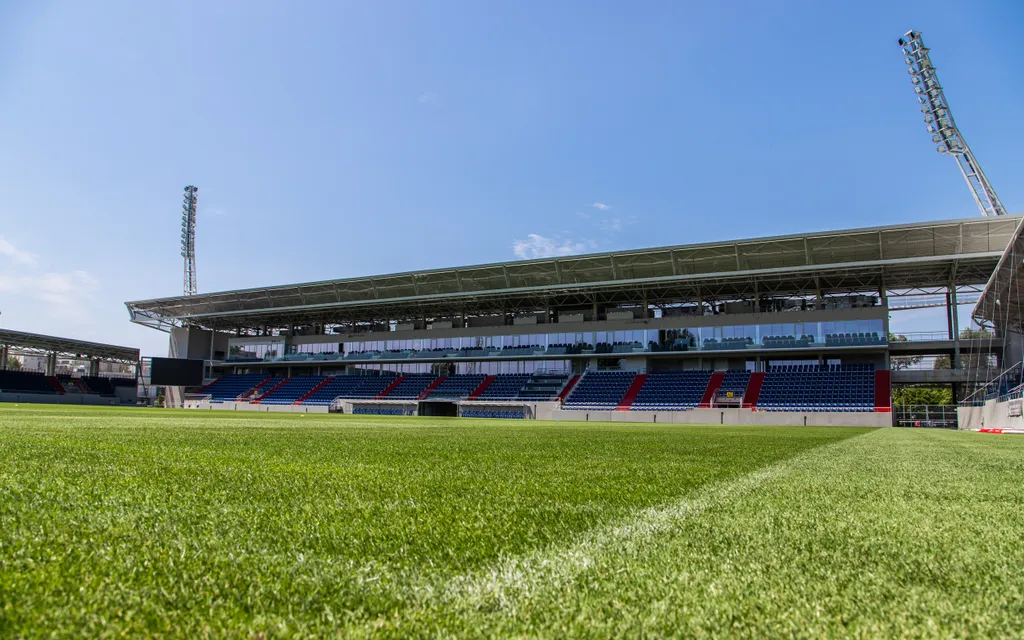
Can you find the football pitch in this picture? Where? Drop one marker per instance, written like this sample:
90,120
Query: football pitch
194,524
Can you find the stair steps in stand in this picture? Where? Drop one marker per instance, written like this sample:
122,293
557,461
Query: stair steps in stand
430,388
55,383
568,388
753,390
391,387
713,385
272,389
313,390
483,387
632,392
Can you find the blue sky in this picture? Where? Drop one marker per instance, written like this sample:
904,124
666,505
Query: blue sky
339,139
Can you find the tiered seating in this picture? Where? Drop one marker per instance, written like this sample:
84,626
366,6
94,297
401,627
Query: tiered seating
99,386
736,382
292,390
543,386
853,339
411,386
672,390
378,411
505,387
350,386
522,350
728,343
818,388
231,386
457,386
787,342
29,381
600,390
395,354
506,414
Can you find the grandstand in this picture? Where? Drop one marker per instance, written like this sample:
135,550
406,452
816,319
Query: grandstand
52,384
781,330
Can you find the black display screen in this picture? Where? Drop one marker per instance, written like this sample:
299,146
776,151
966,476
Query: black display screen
176,372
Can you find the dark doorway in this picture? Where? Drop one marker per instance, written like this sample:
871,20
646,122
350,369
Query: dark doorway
444,409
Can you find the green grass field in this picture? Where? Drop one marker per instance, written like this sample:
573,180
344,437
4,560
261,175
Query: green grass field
188,524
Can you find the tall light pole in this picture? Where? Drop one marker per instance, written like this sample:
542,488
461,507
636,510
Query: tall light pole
188,238
939,119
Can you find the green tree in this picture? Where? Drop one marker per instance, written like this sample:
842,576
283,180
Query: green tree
917,395
13,363
967,360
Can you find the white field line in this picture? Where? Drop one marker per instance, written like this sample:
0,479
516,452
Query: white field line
520,579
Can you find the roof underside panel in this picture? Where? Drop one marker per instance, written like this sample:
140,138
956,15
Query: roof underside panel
904,256
68,346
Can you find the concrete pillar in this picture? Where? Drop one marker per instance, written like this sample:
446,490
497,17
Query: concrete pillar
4,354
94,368
51,364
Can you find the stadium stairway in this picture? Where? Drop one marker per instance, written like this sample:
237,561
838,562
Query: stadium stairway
58,388
883,390
272,389
430,387
753,390
713,385
568,388
483,387
391,387
632,392
309,393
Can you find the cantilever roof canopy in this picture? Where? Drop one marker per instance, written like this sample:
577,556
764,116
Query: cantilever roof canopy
900,257
1002,301
67,346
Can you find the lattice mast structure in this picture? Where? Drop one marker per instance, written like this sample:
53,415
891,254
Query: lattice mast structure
939,119
188,238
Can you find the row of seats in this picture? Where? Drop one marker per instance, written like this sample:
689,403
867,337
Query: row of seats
600,389
854,339
379,411
505,387
672,390
458,386
27,381
506,414
818,388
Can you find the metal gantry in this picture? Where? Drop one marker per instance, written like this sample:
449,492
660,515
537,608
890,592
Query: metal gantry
939,119
188,238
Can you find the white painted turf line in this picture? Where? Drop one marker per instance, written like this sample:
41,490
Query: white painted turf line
519,579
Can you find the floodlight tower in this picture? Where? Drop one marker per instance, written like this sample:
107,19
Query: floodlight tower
940,123
188,238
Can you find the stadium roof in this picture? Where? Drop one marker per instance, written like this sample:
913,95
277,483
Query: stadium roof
1002,301
899,258
67,346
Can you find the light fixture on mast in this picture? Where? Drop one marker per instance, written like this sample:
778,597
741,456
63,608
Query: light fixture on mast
939,121
188,238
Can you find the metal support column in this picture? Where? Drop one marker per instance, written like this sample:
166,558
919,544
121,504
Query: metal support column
955,327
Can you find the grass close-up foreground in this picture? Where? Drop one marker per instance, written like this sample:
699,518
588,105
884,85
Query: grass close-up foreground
189,524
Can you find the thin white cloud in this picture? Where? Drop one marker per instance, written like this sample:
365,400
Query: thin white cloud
64,290
428,98
537,246
17,255
602,206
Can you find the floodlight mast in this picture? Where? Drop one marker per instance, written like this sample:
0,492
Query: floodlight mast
188,238
940,123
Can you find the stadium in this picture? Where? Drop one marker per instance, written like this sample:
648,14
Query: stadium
781,330
712,439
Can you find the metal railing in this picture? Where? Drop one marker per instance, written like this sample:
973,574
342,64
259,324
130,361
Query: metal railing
938,416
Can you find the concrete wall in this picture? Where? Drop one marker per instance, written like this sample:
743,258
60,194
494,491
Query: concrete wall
993,415
246,406
67,398
731,416
551,411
